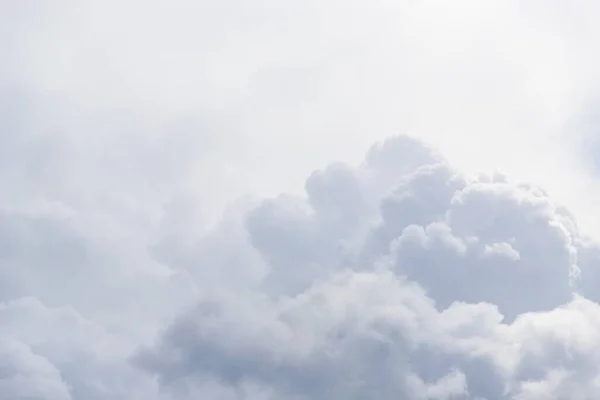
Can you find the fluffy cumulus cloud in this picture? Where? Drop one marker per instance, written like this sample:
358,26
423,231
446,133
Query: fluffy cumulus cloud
399,278
396,273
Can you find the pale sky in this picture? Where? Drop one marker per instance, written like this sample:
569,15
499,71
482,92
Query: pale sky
274,89
211,200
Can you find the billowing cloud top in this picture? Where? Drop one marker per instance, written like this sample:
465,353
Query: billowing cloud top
399,278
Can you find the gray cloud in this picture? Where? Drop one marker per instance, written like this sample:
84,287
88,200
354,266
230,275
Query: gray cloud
26,375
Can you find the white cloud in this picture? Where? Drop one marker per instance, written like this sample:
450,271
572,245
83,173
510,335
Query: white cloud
55,353
449,289
400,276
126,128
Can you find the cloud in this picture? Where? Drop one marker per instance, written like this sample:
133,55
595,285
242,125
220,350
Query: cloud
422,283
55,353
400,276
27,375
125,273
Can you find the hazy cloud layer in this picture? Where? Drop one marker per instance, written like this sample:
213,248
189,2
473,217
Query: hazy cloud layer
226,84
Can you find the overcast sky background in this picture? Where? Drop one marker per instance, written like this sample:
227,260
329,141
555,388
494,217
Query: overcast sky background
211,200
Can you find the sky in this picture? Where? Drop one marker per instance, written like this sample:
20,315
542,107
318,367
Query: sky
299,200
